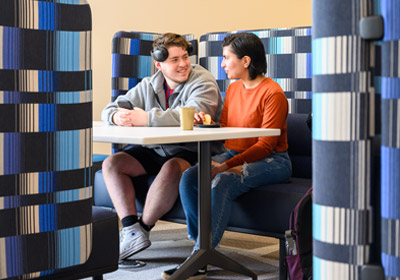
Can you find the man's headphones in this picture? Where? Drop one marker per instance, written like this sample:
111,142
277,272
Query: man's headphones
161,53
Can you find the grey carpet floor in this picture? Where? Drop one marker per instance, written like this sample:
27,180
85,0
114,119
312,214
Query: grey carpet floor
170,247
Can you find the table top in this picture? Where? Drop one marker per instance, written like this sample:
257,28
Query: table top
168,135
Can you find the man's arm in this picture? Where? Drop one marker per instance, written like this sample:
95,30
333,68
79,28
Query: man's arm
202,94
120,111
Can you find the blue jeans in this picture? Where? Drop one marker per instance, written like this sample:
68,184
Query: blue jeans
226,187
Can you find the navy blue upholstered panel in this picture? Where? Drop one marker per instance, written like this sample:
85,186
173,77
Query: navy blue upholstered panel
132,61
288,53
342,133
45,136
390,159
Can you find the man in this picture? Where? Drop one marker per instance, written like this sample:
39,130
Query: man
155,101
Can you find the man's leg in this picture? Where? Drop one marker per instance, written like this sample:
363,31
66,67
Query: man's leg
117,172
163,193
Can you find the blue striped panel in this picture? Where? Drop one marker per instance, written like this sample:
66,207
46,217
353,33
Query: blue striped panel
341,226
65,154
145,64
331,270
10,202
63,97
342,112
390,87
12,142
134,48
339,109
390,150
68,248
46,117
59,72
390,182
66,49
47,217
72,2
11,39
391,265
47,14
14,257
390,9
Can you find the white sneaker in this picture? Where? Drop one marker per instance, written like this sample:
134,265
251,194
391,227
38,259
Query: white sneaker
132,240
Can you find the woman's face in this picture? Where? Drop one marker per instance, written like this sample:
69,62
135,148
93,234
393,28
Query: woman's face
234,67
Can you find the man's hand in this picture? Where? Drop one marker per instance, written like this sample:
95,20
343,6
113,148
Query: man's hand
135,117
140,117
123,117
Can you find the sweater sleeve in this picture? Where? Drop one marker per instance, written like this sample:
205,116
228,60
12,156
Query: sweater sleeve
133,98
274,116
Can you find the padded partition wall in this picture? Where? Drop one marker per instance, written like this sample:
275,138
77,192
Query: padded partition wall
132,61
342,132
390,159
288,53
45,136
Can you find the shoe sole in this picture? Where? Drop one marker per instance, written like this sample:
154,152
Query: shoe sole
127,254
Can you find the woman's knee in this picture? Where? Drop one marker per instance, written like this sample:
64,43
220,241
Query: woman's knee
188,180
226,185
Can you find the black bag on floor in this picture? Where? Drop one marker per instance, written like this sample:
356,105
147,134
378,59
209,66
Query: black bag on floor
299,240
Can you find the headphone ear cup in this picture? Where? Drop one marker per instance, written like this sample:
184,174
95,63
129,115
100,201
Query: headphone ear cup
190,48
160,54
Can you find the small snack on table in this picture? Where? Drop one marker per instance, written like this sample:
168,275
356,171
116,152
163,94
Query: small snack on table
207,119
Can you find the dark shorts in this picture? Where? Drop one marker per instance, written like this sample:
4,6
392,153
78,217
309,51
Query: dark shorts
152,162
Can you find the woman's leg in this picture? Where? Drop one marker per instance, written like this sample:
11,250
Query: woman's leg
226,187
188,190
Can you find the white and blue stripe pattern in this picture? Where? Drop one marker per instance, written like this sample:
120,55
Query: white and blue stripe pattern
45,137
288,55
390,150
342,105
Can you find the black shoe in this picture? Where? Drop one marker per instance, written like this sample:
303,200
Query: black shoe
200,274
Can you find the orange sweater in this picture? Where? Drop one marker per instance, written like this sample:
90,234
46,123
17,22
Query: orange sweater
264,106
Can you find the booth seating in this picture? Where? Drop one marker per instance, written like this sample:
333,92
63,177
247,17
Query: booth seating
49,228
265,210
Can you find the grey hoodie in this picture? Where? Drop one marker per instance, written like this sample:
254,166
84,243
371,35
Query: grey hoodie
199,91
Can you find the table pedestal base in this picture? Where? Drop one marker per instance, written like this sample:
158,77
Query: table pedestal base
211,256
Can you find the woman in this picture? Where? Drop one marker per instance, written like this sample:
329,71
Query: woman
252,101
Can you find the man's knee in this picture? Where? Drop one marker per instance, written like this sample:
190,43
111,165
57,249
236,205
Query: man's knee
175,167
122,163
111,162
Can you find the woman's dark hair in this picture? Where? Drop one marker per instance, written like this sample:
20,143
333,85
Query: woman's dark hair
248,44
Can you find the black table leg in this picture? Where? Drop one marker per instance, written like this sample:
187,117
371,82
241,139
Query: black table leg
207,255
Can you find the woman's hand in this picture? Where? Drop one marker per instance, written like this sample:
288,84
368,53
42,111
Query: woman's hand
218,168
202,118
199,117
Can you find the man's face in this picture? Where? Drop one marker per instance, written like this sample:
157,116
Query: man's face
176,68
